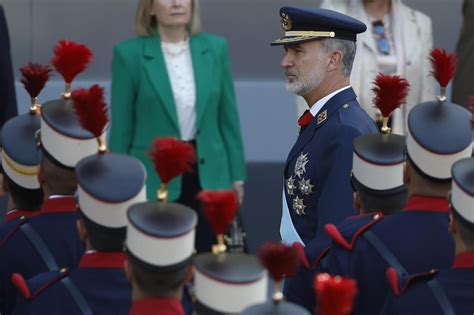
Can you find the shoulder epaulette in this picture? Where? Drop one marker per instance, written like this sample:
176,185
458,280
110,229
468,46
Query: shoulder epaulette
349,230
13,229
33,287
400,284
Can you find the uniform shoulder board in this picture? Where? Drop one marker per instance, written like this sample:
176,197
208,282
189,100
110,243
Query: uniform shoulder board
350,229
400,284
33,287
11,228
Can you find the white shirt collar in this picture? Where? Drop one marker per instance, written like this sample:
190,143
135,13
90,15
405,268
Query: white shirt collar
319,104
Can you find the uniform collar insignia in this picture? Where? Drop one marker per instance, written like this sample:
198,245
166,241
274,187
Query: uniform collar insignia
322,117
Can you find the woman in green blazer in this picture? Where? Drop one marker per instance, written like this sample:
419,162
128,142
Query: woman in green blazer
174,81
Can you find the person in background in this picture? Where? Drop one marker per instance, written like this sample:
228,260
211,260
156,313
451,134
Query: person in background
8,107
463,88
173,80
397,42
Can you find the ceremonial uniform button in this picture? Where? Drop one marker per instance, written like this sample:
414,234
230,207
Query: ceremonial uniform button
345,106
201,161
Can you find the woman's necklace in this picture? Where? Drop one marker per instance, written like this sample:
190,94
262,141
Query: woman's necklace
175,49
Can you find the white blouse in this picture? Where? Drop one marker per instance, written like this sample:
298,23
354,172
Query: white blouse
181,74
387,64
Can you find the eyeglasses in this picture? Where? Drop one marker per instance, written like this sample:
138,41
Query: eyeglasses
383,44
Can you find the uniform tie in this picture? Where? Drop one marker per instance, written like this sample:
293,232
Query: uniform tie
305,119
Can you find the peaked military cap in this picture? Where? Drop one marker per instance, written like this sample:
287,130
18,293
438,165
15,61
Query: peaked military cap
462,193
108,184
302,25
439,134
160,235
20,156
62,137
228,283
378,161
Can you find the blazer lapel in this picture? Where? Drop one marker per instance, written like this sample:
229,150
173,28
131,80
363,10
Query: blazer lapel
356,10
202,66
331,107
156,68
405,34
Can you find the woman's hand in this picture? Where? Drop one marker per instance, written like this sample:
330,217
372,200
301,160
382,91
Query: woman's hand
239,189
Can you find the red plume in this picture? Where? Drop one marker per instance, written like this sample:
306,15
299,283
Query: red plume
444,66
34,77
280,260
172,158
220,208
335,294
390,92
70,59
91,109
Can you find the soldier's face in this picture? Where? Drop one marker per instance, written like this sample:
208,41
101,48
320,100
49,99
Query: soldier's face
172,13
305,67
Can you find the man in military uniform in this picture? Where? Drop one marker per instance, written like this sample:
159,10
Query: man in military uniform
108,184
49,239
319,52
19,169
415,239
377,177
448,291
160,243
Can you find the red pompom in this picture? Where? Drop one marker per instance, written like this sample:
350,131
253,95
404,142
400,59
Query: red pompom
91,109
220,208
172,158
444,66
335,294
70,59
390,92
280,260
34,77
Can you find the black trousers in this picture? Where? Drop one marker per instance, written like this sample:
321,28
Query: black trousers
190,187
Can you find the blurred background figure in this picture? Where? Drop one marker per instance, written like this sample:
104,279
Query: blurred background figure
175,81
398,41
7,89
462,84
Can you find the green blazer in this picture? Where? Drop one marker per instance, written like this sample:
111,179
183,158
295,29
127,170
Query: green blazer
143,109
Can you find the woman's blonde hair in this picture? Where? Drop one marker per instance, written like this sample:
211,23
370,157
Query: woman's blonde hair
146,24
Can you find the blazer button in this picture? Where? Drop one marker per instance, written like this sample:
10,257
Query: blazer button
201,161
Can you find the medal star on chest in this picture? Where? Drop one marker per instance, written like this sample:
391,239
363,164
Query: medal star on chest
298,206
305,186
290,186
300,166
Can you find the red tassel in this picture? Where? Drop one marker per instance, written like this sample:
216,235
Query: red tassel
280,260
220,208
70,59
390,92
335,294
34,77
91,109
444,66
172,158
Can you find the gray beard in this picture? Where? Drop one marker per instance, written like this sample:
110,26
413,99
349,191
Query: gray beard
305,84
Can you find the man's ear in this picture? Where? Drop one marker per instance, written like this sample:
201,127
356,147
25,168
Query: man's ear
357,204
128,270
453,225
81,230
335,61
190,273
406,173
